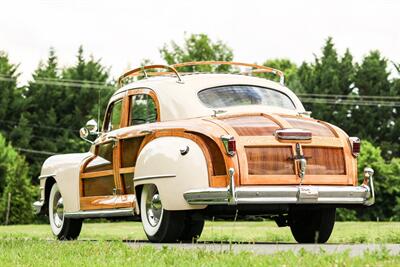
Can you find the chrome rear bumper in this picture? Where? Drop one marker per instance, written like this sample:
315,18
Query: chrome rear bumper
292,194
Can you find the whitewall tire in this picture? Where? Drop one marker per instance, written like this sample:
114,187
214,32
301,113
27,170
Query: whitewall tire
160,225
63,228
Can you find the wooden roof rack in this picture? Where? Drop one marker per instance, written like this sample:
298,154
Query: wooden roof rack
142,72
256,68
172,70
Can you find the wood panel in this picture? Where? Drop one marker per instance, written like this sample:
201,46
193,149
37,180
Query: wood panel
252,125
217,158
324,161
315,127
129,151
127,182
295,180
219,181
270,160
98,186
107,202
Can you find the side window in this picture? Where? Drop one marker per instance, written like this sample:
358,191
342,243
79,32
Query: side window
114,116
143,110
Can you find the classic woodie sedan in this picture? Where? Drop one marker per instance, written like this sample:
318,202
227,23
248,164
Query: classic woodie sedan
177,148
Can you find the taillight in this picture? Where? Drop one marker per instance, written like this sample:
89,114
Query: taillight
355,144
229,144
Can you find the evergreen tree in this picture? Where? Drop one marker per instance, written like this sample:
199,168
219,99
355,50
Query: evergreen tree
290,71
10,95
15,185
328,75
371,78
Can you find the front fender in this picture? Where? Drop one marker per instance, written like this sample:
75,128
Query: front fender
161,163
65,170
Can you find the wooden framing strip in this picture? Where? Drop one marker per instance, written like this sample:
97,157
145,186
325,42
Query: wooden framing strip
126,170
248,141
295,180
96,174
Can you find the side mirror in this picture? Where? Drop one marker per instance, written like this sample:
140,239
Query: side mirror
89,129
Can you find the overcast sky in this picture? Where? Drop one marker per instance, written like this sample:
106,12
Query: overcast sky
122,33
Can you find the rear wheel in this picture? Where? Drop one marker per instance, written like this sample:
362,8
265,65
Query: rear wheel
312,226
63,228
192,229
160,225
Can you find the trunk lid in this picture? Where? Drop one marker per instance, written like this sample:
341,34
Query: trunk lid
266,160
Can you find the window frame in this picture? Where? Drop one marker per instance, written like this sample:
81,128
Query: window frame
110,106
142,91
259,86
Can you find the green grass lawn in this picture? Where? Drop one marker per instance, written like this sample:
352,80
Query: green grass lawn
34,245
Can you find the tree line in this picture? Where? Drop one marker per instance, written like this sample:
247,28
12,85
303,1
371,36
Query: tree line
44,117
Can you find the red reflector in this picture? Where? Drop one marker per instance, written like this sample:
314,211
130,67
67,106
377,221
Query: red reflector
232,146
355,143
229,144
356,147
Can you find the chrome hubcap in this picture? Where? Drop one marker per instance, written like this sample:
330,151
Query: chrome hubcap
153,207
58,210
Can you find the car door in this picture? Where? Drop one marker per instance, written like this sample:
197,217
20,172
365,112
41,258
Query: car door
143,109
100,185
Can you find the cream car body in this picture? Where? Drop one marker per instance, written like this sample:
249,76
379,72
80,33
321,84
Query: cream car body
169,158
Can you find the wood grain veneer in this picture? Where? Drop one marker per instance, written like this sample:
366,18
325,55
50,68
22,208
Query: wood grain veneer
324,161
317,129
270,160
252,125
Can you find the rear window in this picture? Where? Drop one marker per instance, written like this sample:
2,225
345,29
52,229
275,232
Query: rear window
240,95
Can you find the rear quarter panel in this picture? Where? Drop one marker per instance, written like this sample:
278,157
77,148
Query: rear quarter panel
161,163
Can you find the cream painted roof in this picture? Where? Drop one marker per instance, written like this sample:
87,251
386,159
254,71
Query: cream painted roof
180,100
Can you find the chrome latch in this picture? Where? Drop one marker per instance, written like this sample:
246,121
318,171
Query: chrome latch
301,163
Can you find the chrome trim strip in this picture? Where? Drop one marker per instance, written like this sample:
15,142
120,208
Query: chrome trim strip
46,176
140,178
294,137
281,195
100,213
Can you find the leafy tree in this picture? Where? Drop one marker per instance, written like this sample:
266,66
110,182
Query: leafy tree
197,47
14,181
387,183
290,70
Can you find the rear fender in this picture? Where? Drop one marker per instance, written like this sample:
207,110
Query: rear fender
175,165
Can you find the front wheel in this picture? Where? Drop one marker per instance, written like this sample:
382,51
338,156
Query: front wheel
160,225
63,228
312,226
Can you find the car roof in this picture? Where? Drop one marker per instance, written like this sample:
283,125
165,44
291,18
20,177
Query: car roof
180,101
